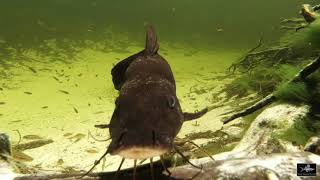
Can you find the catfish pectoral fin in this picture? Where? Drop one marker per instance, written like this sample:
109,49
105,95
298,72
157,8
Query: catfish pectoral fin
195,115
102,126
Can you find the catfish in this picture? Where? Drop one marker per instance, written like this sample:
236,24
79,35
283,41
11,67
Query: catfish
147,115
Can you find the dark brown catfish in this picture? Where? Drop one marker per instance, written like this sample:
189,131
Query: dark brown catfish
147,115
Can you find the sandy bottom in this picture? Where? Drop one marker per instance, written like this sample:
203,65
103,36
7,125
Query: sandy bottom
63,102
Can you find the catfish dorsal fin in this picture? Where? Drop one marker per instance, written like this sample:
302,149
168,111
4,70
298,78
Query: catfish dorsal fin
152,45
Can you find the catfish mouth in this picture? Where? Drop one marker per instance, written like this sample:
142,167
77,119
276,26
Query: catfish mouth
141,152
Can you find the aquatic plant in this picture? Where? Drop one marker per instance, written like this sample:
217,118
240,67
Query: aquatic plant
294,92
298,133
305,39
262,80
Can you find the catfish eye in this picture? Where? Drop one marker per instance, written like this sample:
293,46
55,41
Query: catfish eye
171,102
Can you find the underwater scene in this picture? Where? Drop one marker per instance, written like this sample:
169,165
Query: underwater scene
183,89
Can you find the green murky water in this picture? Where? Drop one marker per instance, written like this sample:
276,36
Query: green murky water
56,57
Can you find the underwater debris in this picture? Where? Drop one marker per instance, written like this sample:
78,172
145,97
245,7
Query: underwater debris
196,124
102,126
55,78
80,74
21,156
67,134
2,103
60,162
32,136
77,137
44,107
220,29
69,170
99,140
63,91
1,89
309,13
26,92
99,112
92,150
32,144
15,121
32,69
205,134
75,110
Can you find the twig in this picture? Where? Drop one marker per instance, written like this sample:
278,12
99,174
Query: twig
234,65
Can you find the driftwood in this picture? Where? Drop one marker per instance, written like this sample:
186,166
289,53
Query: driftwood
302,75
258,155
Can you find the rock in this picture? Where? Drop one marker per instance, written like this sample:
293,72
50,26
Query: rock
272,166
233,131
5,146
313,145
260,139
260,154
6,168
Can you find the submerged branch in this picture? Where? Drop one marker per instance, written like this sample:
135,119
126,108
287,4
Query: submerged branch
234,66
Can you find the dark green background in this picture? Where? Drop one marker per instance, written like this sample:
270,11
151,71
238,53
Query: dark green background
192,21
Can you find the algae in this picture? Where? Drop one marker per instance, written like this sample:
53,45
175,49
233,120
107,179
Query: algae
294,92
298,133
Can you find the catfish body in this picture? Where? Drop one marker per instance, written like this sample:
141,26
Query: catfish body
147,115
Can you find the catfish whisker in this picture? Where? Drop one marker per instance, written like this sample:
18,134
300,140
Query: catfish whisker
95,164
204,151
185,158
142,161
134,169
151,168
164,166
119,168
